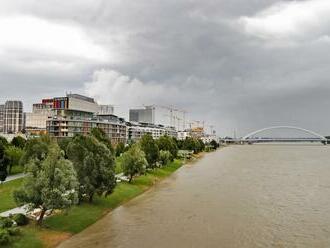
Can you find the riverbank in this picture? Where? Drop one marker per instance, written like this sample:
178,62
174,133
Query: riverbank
63,225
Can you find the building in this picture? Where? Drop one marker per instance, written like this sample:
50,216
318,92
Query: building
137,130
35,122
159,115
105,110
146,115
182,135
77,114
2,114
11,117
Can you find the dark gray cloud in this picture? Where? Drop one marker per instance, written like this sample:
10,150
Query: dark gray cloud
235,64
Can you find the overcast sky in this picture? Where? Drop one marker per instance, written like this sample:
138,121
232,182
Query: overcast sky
236,64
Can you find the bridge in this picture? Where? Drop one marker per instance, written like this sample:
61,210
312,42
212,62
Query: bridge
315,137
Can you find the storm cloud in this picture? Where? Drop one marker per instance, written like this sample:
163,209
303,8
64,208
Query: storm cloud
239,65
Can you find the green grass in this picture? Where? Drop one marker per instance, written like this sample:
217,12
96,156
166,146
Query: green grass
118,168
16,169
6,194
28,239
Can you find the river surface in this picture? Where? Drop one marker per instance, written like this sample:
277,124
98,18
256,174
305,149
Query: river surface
239,196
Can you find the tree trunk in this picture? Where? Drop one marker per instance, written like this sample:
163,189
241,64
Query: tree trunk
130,178
41,217
91,198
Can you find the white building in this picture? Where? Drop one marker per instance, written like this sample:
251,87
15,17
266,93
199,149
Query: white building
159,115
137,130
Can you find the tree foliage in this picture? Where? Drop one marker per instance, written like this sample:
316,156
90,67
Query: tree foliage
19,142
94,165
167,143
13,155
3,163
134,162
151,150
193,144
165,157
101,136
49,184
36,149
120,148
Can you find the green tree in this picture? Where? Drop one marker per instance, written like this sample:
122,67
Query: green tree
14,155
3,163
134,162
150,148
19,142
36,149
50,184
101,136
3,141
214,144
94,165
167,143
165,157
120,148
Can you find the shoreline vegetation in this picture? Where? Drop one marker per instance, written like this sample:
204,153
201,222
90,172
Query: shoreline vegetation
64,225
73,182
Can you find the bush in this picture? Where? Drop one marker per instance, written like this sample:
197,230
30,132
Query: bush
4,237
165,157
21,219
14,231
6,222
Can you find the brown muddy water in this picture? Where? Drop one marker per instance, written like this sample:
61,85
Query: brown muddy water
239,196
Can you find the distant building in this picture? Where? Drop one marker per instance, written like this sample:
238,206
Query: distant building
35,122
11,117
159,115
182,135
105,110
2,114
137,130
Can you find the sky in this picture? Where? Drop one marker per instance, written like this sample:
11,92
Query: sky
238,65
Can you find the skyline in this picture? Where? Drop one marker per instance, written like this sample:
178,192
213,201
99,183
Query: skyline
240,66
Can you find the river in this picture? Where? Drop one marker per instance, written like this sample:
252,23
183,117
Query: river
240,196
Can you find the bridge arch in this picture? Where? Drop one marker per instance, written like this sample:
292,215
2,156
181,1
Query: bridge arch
246,137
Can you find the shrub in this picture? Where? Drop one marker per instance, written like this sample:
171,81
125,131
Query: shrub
164,157
6,222
14,231
4,237
21,219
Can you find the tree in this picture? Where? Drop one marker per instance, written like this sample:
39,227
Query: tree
120,148
51,184
134,162
94,165
3,164
36,149
13,154
101,136
19,142
165,157
3,141
167,143
150,148
214,144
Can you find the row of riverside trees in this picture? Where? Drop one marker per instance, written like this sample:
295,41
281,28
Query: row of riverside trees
73,170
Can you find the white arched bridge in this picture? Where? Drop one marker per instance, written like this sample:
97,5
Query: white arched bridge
315,137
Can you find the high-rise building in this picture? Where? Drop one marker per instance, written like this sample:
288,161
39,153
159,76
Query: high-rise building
13,120
2,114
159,115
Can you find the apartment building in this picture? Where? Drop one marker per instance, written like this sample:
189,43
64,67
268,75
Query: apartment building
77,114
137,130
11,117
